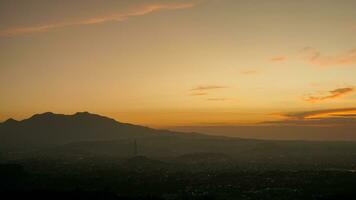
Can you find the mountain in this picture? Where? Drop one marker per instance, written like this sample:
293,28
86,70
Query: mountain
49,129
84,135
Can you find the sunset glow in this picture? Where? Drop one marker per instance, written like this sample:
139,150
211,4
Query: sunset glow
179,62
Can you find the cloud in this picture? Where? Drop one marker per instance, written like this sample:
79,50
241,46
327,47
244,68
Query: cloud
279,59
304,125
345,115
316,58
217,99
208,87
122,16
321,113
204,89
199,94
321,122
326,117
249,72
331,95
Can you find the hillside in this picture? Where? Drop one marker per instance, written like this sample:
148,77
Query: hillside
49,129
84,134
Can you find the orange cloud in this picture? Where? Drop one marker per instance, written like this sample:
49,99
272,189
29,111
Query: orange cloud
198,94
249,72
345,117
332,95
138,11
338,112
316,58
217,99
203,90
279,59
208,87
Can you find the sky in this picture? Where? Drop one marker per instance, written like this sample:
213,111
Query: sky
172,63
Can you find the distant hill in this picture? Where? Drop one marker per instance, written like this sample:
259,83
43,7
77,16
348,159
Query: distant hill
48,129
84,134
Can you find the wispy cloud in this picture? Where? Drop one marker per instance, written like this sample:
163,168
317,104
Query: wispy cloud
199,94
327,117
316,58
217,99
204,90
279,58
249,72
121,16
208,87
320,113
331,95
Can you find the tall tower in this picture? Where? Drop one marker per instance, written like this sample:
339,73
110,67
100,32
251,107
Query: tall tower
135,148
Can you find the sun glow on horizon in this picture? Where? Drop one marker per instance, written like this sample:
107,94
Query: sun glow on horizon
179,62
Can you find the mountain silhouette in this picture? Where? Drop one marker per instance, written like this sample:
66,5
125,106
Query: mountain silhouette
86,134
50,129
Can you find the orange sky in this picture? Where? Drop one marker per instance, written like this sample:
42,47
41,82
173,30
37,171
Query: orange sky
178,62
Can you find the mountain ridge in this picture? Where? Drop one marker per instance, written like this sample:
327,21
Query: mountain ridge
84,133
48,129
